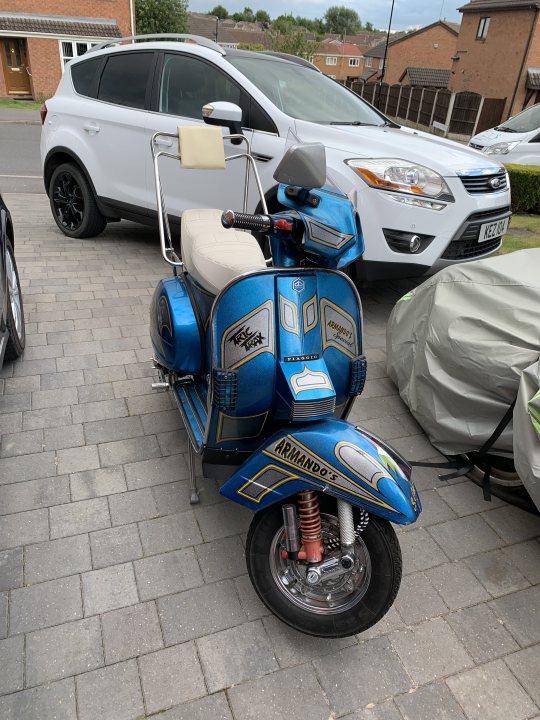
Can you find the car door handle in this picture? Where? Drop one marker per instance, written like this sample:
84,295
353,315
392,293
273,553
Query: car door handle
91,127
164,142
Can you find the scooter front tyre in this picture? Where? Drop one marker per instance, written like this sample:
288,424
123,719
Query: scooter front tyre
378,540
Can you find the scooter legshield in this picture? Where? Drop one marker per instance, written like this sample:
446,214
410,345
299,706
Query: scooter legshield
330,456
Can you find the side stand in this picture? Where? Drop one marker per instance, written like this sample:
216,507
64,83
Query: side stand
193,490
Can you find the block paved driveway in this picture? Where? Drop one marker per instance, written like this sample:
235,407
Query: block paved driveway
120,601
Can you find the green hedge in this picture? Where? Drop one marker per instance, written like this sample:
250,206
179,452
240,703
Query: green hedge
525,186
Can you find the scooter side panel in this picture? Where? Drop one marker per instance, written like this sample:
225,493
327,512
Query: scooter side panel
287,342
174,330
333,457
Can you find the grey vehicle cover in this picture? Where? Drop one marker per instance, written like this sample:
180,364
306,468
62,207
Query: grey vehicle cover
461,344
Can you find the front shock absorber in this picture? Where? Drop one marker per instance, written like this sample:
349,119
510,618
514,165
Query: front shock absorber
310,527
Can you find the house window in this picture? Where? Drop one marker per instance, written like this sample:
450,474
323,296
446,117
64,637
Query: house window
331,60
354,62
381,63
367,62
483,27
70,49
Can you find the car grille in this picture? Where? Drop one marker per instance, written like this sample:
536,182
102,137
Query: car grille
480,184
475,146
466,246
315,408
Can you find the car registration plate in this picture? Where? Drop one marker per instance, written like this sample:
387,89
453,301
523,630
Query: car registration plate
491,230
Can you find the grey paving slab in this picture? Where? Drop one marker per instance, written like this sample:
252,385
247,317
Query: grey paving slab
520,613
110,693
496,573
56,558
465,536
171,676
526,667
79,517
513,524
27,467
217,522
418,600
168,573
235,655
109,588
22,443
11,568
97,483
430,651
221,559
55,700
132,506
158,471
23,528
466,498
12,664
169,533
64,650
482,633
430,702
46,604
525,557
362,674
294,648
391,621
491,691
457,585
294,694
214,707
128,451
434,510
101,431
174,497
200,611
3,614
251,603
385,711
420,551
70,436
115,546
33,494
130,632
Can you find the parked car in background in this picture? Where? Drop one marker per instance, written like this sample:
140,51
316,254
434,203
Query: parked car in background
516,140
424,202
12,334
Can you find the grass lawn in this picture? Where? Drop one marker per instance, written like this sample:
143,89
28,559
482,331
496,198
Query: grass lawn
20,104
524,232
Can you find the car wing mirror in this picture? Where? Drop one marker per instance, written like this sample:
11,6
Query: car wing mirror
225,114
303,165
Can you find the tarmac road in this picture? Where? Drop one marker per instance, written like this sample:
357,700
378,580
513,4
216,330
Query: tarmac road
20,166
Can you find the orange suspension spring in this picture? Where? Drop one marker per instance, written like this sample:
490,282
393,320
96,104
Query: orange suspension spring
310,526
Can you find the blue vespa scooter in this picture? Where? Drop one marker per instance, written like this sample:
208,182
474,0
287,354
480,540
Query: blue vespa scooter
265,364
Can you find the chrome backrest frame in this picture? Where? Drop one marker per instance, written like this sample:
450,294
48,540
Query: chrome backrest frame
165,237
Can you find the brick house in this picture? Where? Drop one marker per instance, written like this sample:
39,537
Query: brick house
228,32
340,60
432,46
498,52
39,37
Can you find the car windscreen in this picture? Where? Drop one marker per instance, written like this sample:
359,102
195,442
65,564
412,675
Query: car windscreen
526,121
305,94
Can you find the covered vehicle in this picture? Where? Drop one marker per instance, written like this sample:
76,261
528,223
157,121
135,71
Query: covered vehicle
460,346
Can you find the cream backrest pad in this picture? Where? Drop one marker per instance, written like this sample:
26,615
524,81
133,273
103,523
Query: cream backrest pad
201,147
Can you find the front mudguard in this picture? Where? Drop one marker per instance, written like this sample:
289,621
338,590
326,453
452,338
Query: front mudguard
329,456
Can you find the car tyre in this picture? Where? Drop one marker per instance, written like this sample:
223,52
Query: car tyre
73,204
15,312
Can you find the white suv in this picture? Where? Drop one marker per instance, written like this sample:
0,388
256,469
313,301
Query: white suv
423,202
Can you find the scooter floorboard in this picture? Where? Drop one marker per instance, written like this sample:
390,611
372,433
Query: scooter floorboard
191,398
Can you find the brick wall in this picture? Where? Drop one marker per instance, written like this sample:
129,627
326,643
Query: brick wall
341,70
432,48
44,53
491,66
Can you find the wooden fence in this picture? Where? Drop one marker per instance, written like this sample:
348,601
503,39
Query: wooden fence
463,113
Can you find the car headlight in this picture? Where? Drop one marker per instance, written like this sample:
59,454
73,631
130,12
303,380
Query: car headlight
502,148
403,177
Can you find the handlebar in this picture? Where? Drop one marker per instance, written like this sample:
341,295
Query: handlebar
246,221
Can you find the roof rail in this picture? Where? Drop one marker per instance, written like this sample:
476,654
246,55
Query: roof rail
198,39
291,58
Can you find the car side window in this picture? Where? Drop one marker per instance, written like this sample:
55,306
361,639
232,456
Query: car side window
125,78
188,83
85,76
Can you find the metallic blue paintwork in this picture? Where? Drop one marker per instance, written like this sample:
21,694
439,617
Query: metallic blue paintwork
376,479
334,216
173,328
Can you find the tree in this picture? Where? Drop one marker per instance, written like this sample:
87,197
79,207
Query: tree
161,16
368,27
262,16
342,20
294,42
220,12
249,15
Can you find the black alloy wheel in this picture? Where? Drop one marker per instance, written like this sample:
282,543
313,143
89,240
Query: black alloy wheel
73,203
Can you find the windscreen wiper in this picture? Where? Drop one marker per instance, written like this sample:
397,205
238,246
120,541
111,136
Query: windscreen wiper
352,122
504,128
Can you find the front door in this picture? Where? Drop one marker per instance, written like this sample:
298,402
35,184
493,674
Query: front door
15,65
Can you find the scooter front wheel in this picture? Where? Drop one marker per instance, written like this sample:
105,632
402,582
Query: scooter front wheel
338,606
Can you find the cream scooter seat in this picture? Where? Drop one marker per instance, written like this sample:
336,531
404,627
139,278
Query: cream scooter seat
213,255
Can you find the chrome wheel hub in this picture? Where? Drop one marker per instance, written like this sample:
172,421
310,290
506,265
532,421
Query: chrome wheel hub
14,295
